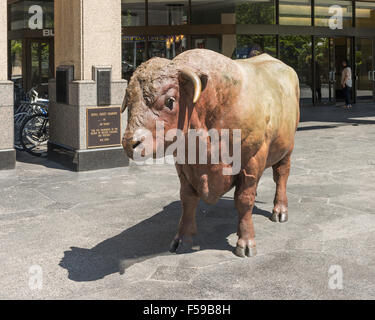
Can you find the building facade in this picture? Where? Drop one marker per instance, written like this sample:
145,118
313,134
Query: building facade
312,36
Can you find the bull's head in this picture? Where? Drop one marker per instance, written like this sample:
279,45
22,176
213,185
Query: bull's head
160,91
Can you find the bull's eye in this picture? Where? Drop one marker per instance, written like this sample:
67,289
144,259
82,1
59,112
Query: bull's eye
169,103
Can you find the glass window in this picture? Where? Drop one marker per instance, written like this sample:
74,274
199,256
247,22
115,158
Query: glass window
295,12
166,46
20,16
323,14
17,16
363,59
16,61
296,51
233,12
365,14
324,66
40,71
213,43
167,12
133,13
256,12
133,54
252,45
134,50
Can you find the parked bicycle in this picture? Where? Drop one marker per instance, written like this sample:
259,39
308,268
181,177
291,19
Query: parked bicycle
31,124
34,134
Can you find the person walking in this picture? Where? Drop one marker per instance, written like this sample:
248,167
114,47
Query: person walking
347,83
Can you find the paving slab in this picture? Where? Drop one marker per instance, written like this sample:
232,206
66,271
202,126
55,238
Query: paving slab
105,234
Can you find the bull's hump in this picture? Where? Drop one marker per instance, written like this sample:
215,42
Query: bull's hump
202,58
261,60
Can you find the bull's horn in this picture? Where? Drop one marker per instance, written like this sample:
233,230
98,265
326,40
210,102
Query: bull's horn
195,80
123,108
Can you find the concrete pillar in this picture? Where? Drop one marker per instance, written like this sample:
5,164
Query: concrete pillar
229,42
87,36
7,152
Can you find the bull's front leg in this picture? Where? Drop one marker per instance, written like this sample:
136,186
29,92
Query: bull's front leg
244,198
183,241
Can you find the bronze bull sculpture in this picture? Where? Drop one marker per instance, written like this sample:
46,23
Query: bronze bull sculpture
202,89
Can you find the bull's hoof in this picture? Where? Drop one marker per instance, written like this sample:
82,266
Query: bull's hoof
245,252
279,217
179,246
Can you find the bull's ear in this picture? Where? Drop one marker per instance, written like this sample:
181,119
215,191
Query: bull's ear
199,82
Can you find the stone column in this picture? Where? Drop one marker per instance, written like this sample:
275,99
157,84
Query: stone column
7,152
229,42
87,38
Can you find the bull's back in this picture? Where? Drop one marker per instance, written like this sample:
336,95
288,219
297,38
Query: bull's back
276,99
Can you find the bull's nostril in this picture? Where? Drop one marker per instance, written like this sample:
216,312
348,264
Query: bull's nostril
135,145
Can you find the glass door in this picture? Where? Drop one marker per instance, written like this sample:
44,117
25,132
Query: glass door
296,51
324,71
365,69
343,51
39,65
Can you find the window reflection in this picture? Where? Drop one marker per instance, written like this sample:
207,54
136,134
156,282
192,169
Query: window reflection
256,12
16,61
133,13
233,12
323,14
40,72
252,45
365,14
134,50
364,65
296,51
167,46
295,12
19,14
133,54
167,12
207,42
324,66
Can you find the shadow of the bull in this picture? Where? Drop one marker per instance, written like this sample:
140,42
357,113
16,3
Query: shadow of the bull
151,238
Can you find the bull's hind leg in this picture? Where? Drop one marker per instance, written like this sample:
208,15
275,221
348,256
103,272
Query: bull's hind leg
280,176
183,241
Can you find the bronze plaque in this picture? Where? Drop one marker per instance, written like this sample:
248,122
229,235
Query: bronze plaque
103,127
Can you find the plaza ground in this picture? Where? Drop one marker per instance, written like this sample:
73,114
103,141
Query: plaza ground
105,234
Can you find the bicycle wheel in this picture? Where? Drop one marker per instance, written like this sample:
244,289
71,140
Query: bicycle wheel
34,134
19,120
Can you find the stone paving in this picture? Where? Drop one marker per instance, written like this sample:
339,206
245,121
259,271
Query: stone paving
105,234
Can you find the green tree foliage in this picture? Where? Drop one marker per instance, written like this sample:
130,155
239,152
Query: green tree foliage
296,51
256,13
16,47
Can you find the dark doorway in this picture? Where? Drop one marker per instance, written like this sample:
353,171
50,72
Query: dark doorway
329,53
343,51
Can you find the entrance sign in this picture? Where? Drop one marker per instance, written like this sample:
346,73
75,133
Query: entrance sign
336,20
48,33
103,127
36,20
